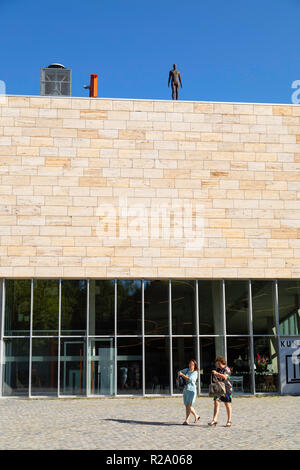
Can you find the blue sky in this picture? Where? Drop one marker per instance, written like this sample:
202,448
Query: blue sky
233,50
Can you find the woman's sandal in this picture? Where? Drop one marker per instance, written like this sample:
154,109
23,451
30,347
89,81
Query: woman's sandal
185,423
196,420
212,423
228,424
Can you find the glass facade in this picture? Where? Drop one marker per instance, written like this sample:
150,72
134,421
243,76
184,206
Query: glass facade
266,364
129,366
43,366
156,305
16,367
289,307
157,366
72,366
239,361
183,307
210,348
94,337
17,307
101,365
129,307
263,307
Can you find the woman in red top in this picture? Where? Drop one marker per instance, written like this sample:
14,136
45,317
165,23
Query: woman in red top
222,374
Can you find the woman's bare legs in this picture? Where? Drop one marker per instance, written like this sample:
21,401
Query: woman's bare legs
216,410
228,409
187,412
194,414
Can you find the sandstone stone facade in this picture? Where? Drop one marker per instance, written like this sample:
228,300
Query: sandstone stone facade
63,160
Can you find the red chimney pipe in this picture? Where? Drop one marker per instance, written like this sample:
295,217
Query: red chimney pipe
94,86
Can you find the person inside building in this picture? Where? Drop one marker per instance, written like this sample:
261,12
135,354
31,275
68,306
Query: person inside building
123,376
190,376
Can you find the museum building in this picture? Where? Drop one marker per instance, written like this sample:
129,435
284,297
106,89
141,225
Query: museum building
138,234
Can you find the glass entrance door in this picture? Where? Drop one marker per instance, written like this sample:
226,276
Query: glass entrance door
101,366
72,367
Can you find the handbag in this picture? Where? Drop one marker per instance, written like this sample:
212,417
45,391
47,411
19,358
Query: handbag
216,388
181,383
230,388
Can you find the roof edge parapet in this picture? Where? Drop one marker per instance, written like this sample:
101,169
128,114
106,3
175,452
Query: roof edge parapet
156,100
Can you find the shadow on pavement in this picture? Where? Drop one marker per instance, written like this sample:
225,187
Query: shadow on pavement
151,423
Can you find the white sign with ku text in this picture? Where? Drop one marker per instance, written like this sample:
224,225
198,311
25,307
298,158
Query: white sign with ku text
290,364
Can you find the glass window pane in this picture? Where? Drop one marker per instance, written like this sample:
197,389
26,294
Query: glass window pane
72,367
130,363
102,307
17,307
210,348
289,307
263,308
73,307
156,300
101,366
183,308
238,359
45,307
184,349
266,364
16,367
157,365
129,312
236,297
44,366
211,317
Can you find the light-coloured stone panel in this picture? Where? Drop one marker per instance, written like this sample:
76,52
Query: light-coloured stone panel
145,188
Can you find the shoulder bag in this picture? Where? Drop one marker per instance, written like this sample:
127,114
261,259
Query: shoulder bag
216,388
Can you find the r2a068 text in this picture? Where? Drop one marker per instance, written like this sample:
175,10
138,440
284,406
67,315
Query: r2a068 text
171,459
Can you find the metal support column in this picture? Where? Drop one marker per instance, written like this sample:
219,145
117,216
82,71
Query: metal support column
87,338
276,308
59,341
2,299
143,341
30,340
116,342
197,333
224,317
250,311
171,339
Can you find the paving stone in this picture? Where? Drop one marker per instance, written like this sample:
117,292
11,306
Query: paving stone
142,423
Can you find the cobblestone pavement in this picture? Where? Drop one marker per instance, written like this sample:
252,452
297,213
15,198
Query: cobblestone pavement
147,423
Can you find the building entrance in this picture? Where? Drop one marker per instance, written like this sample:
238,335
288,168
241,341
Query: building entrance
101,366
72,367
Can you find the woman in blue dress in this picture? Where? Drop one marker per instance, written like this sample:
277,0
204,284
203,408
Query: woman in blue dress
190,375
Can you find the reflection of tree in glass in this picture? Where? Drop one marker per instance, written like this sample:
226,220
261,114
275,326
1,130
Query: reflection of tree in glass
183,307
74,305
44,363
129,306
17,304
289,303
16,372
102,306
45,305
156,300
17,347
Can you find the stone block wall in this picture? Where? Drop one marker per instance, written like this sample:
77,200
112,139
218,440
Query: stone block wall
82,181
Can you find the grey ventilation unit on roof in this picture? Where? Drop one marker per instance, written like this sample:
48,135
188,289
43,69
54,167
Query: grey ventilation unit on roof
56,80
